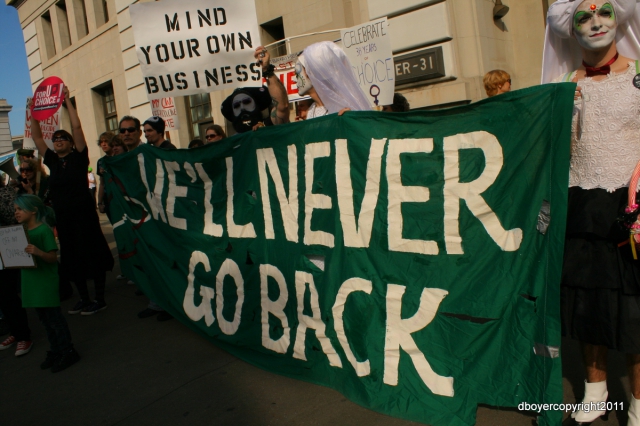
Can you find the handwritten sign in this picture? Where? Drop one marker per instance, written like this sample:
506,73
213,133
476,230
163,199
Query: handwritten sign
189,47
165,108
48,127
13,241
48,98
368,47
286,72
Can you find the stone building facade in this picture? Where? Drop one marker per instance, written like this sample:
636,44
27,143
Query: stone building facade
90,45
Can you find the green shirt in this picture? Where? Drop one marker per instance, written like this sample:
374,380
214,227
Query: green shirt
40,285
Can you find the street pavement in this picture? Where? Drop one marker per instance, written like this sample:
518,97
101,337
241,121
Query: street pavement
145,372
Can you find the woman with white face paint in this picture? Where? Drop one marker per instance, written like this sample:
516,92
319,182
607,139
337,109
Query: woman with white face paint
592,43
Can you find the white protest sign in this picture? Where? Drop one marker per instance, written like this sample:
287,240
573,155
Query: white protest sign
13,241
286,72
196,46
165,108
48,127
368,47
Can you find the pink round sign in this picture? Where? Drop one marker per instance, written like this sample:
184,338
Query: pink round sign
47,98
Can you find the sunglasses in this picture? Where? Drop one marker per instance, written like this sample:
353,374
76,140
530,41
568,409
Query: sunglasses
60,139
211,136
245,101
26,170
128,129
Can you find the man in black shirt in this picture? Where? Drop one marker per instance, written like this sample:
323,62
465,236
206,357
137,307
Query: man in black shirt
154,132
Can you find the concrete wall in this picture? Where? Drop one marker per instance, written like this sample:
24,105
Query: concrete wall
5,132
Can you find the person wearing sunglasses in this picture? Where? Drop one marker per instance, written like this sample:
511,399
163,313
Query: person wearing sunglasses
84,251
130,132
214,133
29,181
497,82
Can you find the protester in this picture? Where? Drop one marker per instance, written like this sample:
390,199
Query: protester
25,154
400,104
129,129
104,142
324,73
15,315
30,182
214,133
195,143
497,82
302,107
40,285
600,279
116,147
154,133
250,108
84,250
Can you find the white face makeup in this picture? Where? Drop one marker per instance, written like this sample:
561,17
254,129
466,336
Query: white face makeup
303,82
594,24
242,101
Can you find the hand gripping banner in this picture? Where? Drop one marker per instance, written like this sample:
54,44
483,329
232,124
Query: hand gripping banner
409,260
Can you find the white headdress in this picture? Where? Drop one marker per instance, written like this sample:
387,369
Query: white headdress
562,53
330,72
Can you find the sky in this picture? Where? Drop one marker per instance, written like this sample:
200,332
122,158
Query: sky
15,84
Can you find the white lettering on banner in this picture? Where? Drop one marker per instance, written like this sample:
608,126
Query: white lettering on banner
454,191
186,48
229,267
360,235
235,231
368,47
275,308
349,286
288,206
210,227
398,194
398,335
315,201
175,192
304,279
196,313
154,199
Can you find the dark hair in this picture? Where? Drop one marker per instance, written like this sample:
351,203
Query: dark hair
196,143
106,135
65,134
218,129
116,140
130,118
156,123
400,103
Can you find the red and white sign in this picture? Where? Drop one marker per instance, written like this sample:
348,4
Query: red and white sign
47,98
286,72
48,127
165,108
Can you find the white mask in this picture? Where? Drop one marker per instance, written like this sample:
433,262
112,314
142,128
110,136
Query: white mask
302,79
241,102
595,24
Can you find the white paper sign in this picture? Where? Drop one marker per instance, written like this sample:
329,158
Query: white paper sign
165,108
286,72
48,127
368,47
196,46
13,241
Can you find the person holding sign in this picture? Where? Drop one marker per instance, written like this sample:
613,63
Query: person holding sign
600,278
40,285
84,250
250,108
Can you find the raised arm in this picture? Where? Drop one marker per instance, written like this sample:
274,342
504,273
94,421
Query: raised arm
36,135
280,100
76,127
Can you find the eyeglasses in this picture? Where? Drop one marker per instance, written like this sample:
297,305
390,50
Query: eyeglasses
128,129
29,169
60,139
211,136
245,101
509,81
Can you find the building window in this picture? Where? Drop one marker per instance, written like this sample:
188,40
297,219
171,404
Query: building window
82,25
63,24
47,34
273,31
108,101
200,114
102,12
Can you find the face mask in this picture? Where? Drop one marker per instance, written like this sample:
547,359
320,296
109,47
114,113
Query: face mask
245,112
594,24
303,82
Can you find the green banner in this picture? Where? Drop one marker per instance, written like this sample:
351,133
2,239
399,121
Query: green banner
402,259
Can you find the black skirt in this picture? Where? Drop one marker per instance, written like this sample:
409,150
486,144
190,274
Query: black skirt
600,280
